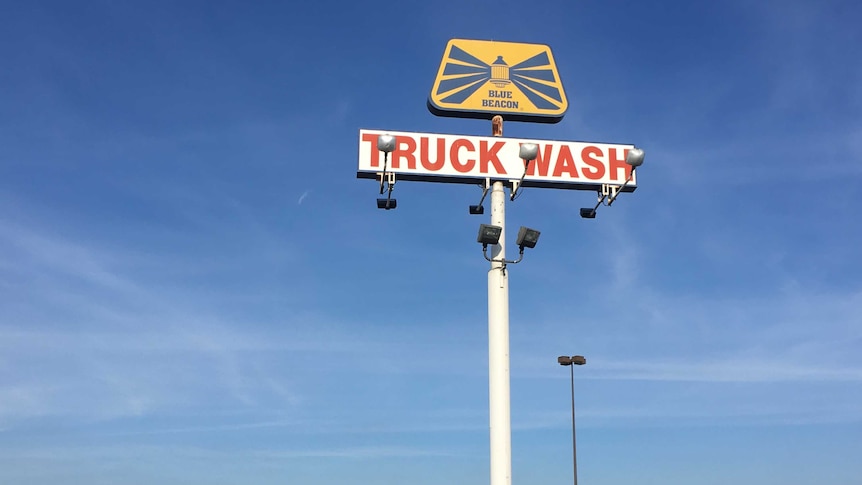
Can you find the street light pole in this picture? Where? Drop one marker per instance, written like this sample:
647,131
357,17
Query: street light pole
572,362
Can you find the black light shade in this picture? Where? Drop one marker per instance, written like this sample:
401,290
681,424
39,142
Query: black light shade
386,203
527,238
588,213
489,234
477,209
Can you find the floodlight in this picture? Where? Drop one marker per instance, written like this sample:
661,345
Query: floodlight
489,234
386,203
477,210
588,213
635,157
528,151
386,143
527,238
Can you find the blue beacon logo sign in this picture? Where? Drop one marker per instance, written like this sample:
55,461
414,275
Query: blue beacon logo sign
476,80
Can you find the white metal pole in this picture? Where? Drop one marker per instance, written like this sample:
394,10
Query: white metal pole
498,348
574,445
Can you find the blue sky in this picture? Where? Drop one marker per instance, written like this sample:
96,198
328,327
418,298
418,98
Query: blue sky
195,288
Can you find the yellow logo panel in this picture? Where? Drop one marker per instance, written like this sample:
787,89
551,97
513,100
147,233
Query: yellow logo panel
480,79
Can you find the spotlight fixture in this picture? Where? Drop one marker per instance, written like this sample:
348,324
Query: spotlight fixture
527,238
386,203
489,234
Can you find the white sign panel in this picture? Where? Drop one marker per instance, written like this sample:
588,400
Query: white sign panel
435,157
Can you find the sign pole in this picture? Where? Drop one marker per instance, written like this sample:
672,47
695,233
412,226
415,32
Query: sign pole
498,348
477,79
498,342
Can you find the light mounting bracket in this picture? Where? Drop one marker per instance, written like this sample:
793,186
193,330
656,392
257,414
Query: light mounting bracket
479,208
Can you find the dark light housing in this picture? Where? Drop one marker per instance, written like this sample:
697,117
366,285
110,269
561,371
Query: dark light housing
527,238
489,234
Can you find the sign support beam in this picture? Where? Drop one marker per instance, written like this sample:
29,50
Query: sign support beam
499,394
498,347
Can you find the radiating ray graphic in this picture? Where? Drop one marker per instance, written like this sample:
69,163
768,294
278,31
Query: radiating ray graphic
550,91
459,54
459,69
537,100
470,78
466,90
528,80
538,60
543,74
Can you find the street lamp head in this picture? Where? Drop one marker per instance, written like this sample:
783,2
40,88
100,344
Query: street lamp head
635,157
386,143
575,359
527,238
528,151
489,234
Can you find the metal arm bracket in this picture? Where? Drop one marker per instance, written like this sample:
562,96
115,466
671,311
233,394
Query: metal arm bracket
516,184
386,178
478,208
612,191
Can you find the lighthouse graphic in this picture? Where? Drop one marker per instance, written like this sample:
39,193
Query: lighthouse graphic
500,73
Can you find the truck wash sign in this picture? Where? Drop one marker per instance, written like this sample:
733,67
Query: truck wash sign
480,79
432,157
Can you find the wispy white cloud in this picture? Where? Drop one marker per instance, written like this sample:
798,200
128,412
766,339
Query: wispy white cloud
103,342
302,197
100,341
60,453
358,452
729,370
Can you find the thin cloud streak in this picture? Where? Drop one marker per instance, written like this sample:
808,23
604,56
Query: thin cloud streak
729,371
302,197
61,454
